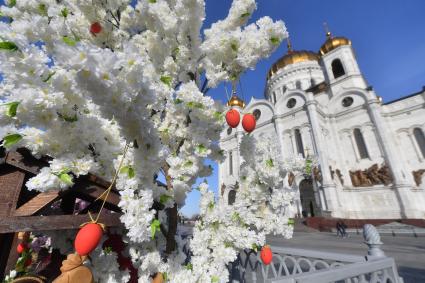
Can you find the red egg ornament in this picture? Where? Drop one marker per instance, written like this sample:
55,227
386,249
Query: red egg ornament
88,238
21,248
95,28
266,255
248,122
233,118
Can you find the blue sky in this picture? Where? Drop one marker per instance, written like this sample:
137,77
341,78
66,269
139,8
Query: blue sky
388,37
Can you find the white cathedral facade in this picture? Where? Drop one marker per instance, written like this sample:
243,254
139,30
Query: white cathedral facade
371,154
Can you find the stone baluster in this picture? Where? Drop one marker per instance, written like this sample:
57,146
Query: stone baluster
373,241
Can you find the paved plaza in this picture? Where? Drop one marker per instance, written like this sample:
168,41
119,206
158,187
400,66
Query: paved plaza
408,251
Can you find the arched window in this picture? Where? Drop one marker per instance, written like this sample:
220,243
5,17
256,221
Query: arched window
230,163
231,197
298,85
420,139
337,68
361,145
299,142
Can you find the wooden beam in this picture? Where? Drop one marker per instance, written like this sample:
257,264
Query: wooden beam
37,203
13,254
11,182
53,222
24,160
90,191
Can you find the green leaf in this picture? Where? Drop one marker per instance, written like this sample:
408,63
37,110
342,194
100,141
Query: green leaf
164,198
11,108
69,41
11,139
269,162
218,115
201,149
69,119
7,45
66,178
188,163
12,3
178,101
215,279
107,250
167,80
215,225
189,266
275,40
291,222
211,205
155,226
152,1
244,15
49,76
228,244
193,104
234,46
42,9
255,247
64,12
165,276
128,170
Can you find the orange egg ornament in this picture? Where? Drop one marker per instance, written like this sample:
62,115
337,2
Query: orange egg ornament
248,122
266,255
88,238
233,118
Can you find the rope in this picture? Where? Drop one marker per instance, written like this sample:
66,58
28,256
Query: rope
240,86
109,188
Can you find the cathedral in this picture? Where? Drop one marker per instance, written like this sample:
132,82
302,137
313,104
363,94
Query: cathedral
371,154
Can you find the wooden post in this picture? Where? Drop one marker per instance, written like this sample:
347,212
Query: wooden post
6,241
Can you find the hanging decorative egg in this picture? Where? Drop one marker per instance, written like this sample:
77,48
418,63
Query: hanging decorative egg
95,28
158,278
233,118
21,248
266,255
248,122
88,238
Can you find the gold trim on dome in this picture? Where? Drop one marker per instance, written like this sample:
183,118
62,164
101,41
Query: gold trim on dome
332,43
236,101
292,57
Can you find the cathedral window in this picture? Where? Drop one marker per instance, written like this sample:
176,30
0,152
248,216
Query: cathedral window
257,114
291,103
230,163
299,142
420,139
347,101
231,197
361,145
337,68
298,85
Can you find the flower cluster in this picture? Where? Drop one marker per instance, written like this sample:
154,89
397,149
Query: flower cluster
93,77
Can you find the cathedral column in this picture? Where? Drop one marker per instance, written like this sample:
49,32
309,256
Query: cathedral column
384,138
402,186
327,182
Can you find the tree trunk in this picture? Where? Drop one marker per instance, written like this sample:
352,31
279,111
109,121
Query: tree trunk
172,217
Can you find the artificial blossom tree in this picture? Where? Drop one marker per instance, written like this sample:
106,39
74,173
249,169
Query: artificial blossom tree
82,80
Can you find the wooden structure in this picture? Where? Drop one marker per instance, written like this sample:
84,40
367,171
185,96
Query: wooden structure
24,210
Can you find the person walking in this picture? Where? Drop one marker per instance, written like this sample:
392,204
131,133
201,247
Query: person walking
338,229
344,230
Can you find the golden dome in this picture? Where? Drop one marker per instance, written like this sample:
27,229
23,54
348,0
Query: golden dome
292,57
236,101
333,42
